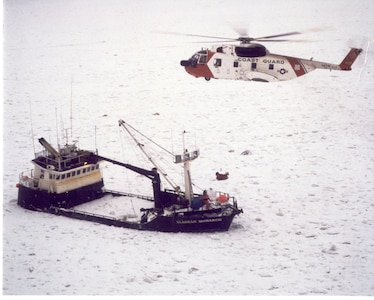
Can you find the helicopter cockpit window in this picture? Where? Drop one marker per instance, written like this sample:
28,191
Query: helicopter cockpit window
199,58
203,55
194,59
202,59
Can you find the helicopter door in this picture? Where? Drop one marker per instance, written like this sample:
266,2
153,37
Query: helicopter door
222,67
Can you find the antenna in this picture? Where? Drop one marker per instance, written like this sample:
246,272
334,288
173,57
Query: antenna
184,146
96,139
58,139
71,108
32,130
171,140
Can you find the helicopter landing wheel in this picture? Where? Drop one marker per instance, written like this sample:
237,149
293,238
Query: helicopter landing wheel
207,78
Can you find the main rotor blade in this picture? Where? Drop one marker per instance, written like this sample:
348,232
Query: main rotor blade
196,35
290,41
277,35
245,38
217,41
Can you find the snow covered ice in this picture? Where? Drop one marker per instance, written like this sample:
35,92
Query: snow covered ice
306,185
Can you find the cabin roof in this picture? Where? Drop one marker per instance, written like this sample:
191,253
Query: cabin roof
66,162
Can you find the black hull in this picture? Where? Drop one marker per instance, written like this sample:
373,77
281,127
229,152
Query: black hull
63,204
34,199
200,221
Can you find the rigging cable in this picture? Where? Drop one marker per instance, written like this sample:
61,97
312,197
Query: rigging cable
158,145
124,125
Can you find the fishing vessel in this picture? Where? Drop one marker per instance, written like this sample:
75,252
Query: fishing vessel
67,177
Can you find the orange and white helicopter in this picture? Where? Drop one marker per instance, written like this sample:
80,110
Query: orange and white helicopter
252,61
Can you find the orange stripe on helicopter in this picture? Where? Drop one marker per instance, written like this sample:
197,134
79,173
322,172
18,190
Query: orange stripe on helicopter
297,66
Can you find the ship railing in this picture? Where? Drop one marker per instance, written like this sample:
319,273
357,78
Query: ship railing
220,198
217,198
117,193
77,213
27,179
43,153
187,156
67,162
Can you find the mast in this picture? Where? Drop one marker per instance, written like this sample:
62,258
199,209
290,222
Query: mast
185,158
32,129
58,139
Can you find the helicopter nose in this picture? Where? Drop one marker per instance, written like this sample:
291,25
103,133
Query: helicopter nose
199,71
185,63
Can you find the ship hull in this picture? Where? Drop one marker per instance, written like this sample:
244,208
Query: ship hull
198,223
208,221
36,199
176,221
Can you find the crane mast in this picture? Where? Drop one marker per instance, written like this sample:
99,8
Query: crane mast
140,145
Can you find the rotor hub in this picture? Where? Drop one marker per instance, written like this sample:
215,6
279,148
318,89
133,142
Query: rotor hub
245,40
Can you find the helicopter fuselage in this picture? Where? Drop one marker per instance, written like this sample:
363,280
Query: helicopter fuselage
254,62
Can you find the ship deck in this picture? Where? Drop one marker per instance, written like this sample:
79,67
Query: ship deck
118,206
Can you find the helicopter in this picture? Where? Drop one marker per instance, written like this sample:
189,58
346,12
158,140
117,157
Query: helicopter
252,61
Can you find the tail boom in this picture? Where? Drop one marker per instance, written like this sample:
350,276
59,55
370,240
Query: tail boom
345,65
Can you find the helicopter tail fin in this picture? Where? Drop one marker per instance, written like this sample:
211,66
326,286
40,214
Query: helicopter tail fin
348,61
